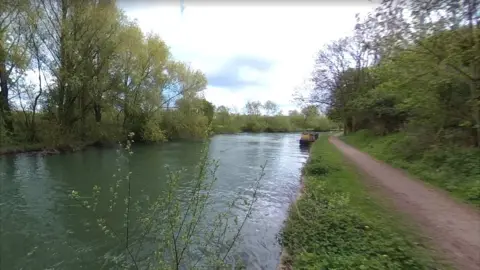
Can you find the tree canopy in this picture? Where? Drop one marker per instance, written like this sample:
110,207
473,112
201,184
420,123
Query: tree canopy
410,66
72,71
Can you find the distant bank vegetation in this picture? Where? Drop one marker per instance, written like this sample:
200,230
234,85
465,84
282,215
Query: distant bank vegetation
267,117
75,73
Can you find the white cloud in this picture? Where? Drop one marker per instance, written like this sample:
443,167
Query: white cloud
290,36
249,74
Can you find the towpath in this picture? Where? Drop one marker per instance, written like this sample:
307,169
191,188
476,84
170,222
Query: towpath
452,227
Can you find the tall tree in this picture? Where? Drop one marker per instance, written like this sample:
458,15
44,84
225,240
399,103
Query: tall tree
253,108
271,108
13,53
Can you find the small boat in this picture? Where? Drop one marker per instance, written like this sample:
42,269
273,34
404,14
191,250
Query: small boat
307,138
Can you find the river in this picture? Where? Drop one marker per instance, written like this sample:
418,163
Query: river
43,228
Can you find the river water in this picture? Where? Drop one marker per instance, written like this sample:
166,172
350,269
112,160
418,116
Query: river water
43,228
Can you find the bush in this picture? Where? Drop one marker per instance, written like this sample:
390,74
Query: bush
317,168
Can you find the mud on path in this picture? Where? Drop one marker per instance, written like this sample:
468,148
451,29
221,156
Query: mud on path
453,228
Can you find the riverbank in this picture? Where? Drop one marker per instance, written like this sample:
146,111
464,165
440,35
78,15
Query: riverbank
272,131
44,149
451,168
337,224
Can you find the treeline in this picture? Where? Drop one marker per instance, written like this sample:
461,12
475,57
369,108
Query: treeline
410,66
267,117
80,71
409,79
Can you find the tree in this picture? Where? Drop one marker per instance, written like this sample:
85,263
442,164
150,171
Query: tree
14,55
309,112
98,76
222,115
411,66
271,108
253,108
293,113
208,110
455,24
330,90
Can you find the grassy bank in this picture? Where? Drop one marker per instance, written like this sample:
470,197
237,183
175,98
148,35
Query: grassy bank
336,224
449,167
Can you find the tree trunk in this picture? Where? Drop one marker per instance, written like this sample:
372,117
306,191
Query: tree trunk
62,82
98,112
83,115
33,133
475,68
4,106
475,91
354,124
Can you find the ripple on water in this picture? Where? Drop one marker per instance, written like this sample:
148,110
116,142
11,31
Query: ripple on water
40,215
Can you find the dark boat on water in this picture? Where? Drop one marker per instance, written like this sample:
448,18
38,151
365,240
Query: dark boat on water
307,138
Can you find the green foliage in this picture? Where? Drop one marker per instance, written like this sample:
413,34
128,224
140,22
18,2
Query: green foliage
99,78
254,125
450,167
413,74
316,167
152,131
208,110
413,80
335,224
271,121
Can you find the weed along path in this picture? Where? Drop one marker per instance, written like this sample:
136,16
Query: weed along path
453,228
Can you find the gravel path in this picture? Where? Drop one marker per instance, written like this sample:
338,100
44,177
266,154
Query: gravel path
453,228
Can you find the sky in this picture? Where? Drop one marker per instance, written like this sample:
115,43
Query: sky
248,52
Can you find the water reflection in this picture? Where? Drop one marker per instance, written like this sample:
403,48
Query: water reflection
43,228
304,148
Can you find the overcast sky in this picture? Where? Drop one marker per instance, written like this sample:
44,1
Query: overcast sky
249,52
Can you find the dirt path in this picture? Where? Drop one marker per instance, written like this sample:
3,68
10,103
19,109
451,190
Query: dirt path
453,228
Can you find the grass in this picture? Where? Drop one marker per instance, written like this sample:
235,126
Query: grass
452,168
337,224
